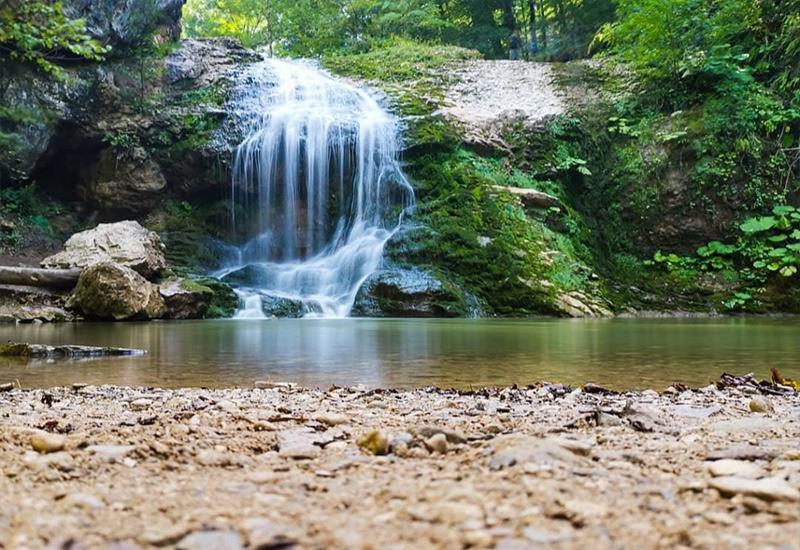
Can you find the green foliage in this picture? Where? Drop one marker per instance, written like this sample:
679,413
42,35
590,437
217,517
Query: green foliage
25,209
37,31
554,28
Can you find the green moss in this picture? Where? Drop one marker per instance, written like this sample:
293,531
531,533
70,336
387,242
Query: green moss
223,303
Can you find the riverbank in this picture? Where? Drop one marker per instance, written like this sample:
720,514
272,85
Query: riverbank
514,468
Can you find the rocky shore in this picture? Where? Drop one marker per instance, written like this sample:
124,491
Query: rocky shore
278,466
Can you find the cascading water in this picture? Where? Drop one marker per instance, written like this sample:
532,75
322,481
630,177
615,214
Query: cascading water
317,188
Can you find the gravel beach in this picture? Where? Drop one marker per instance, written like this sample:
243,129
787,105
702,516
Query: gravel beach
281,467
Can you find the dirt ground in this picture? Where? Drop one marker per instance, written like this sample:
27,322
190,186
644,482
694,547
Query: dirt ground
284,467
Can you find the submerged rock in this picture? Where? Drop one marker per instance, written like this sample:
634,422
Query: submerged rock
400,292
114,292
125,243
13,349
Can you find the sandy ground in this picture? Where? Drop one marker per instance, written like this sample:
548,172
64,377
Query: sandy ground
280,467
487,95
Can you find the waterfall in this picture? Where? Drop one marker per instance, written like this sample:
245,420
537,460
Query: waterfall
317,188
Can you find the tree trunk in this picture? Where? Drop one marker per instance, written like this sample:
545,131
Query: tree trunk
509,21
532,22
544,25
59,279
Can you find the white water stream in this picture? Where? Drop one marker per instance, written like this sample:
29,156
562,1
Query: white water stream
317,188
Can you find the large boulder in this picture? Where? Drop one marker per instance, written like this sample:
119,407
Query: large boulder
127,22
111,291
126,243
398,292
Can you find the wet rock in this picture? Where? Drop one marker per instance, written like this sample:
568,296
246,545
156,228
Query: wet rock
6,387
410,293
39,351
769,489
186,299
114,292
375,442
737,468
44,442
211,540
125,243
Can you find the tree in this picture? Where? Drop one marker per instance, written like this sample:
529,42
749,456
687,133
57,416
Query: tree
37,31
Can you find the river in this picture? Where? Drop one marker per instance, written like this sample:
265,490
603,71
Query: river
622,354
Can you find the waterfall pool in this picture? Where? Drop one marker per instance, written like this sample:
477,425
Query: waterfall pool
621,354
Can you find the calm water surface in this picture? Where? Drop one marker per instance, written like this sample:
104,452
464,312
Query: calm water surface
405,353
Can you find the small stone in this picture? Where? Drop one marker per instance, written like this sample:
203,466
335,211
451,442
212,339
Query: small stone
211,540
768,489
112,453
332,419
84,501
375,442
141,404
761,405
720,518
78,386
437,444
6,387
45,442
730,467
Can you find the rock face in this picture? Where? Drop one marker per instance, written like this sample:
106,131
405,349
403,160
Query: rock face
400,292
127,22
125,243
127,184
114,292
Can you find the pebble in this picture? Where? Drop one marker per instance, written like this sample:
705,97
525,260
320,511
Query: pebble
45,442
437,444
761,405
375,442
112,453
83,500
332,419
769,489
141,404
6,387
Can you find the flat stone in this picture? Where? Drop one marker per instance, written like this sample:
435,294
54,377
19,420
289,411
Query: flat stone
83,500
743,452
755,424
523,449
687,411
768,489
298,444
730,467
211,540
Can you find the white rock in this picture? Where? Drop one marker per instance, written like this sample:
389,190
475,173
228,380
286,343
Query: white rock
769,489
730,467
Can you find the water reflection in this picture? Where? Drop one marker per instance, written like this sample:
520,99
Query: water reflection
404,353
